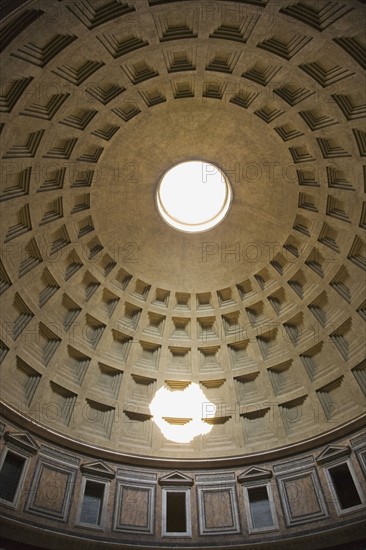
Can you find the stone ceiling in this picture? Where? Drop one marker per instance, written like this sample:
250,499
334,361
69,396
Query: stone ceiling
102,302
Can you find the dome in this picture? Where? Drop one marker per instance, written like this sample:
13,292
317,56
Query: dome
105,302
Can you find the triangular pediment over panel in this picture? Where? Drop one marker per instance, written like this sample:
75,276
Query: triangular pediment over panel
176,478
22,440
332,452
254,474
98,468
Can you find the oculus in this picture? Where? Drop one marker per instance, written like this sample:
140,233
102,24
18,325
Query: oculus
194,196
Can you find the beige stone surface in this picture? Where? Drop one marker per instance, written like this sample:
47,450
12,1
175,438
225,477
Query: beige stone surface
102,302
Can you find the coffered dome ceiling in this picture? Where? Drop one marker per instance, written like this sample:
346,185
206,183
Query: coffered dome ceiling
102,302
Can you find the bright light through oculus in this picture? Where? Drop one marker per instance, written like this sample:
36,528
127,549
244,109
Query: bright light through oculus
179,414
194,196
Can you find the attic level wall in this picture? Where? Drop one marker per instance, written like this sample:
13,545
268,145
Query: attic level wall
61,494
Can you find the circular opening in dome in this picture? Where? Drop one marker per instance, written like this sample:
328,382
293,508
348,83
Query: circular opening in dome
194,196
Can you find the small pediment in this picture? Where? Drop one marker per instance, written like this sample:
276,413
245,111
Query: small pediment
254,474
98,468
22,440
176,478
332,452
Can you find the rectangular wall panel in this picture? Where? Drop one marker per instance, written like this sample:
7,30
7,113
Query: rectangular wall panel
51,490
134,511
302,497
218,510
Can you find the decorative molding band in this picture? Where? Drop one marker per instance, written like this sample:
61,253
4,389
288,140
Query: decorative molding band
37,429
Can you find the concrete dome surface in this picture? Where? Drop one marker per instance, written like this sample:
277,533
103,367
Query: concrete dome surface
103,303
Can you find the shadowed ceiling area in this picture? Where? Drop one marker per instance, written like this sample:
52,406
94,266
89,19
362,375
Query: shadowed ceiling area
102,302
